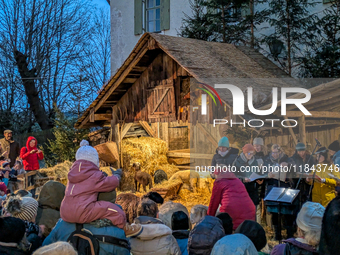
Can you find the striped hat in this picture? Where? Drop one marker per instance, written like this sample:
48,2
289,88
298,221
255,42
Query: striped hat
24,208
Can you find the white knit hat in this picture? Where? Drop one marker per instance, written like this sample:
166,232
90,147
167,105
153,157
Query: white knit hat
310,216
55,249
87,152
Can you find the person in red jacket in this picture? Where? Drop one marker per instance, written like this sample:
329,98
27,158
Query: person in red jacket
231,194
30,158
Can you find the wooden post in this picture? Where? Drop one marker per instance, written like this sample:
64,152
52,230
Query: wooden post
121,146
302,129
291,131
165,132
117,140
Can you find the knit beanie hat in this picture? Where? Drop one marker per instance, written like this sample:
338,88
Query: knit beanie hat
248,147
179,221
334,146
258,141
12,230
24,208
254,231
223,142
3,187
56,249
300,147
310,216
87,152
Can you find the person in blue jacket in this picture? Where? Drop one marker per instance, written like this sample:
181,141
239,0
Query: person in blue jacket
180,230
63,230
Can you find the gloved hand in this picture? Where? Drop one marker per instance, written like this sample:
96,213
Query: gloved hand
118,173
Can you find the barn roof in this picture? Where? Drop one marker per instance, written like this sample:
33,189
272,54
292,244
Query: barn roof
207,62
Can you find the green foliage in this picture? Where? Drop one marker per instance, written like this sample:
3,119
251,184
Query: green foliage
66,142
294,26
322,57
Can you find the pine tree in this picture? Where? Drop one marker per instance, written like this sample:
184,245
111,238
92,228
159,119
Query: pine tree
322,57
66,142
215,20
294,26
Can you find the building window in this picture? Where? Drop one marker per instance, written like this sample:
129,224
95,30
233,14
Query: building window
153,15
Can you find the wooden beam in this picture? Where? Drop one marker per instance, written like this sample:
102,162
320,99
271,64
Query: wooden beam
125,129
147,128
302,129
120,79
92,118
208,135
130,80
315,114
189,155
106,116
160,100
291,131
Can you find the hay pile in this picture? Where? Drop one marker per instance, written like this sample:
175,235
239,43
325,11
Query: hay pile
189,198
58,172
150,153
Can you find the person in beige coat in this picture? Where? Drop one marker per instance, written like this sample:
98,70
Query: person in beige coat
156,238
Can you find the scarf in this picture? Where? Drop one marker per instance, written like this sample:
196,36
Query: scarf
223,154
250,161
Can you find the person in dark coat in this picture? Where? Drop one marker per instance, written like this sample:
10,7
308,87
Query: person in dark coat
330,232
224,154
309,221
10,148
12,232
255,232
204,235
180,230
288,213
299,160
227,222
247,161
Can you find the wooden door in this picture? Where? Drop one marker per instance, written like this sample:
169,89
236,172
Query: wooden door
161,103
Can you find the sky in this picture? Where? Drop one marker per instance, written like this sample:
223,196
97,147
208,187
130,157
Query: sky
101,3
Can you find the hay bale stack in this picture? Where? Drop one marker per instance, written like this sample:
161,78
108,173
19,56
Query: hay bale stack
150,153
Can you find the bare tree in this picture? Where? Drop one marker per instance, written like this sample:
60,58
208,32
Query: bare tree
45,41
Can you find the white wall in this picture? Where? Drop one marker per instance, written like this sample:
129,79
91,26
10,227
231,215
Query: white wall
123,39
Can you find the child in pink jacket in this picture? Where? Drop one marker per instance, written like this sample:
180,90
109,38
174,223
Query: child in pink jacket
85,181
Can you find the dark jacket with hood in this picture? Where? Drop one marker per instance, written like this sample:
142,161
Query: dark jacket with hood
204,236
50,198
11,251
293,247
13,149
300,163
227,160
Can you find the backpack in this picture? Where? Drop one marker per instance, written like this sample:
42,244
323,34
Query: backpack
88,244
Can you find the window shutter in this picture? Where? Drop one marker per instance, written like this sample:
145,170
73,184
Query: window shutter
165,14
138,17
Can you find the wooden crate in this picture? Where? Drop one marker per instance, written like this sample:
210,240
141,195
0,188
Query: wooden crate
108,152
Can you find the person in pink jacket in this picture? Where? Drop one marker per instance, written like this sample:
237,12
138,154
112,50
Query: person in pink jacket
229,192
85,181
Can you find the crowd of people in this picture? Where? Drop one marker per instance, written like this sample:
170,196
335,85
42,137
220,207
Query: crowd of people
83,218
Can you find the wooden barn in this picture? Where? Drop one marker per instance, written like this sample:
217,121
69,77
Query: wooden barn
152,93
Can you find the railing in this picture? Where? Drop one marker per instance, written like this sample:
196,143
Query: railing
25,177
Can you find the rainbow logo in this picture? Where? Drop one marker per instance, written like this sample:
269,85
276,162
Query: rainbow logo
210,94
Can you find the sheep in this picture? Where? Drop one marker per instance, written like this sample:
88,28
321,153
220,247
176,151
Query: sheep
188,177
129,202
160,176
154,196
141,178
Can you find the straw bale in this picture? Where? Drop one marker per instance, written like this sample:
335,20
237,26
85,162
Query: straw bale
190,199
150,153
58,172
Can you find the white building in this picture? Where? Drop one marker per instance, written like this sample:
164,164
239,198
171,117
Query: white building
131,18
